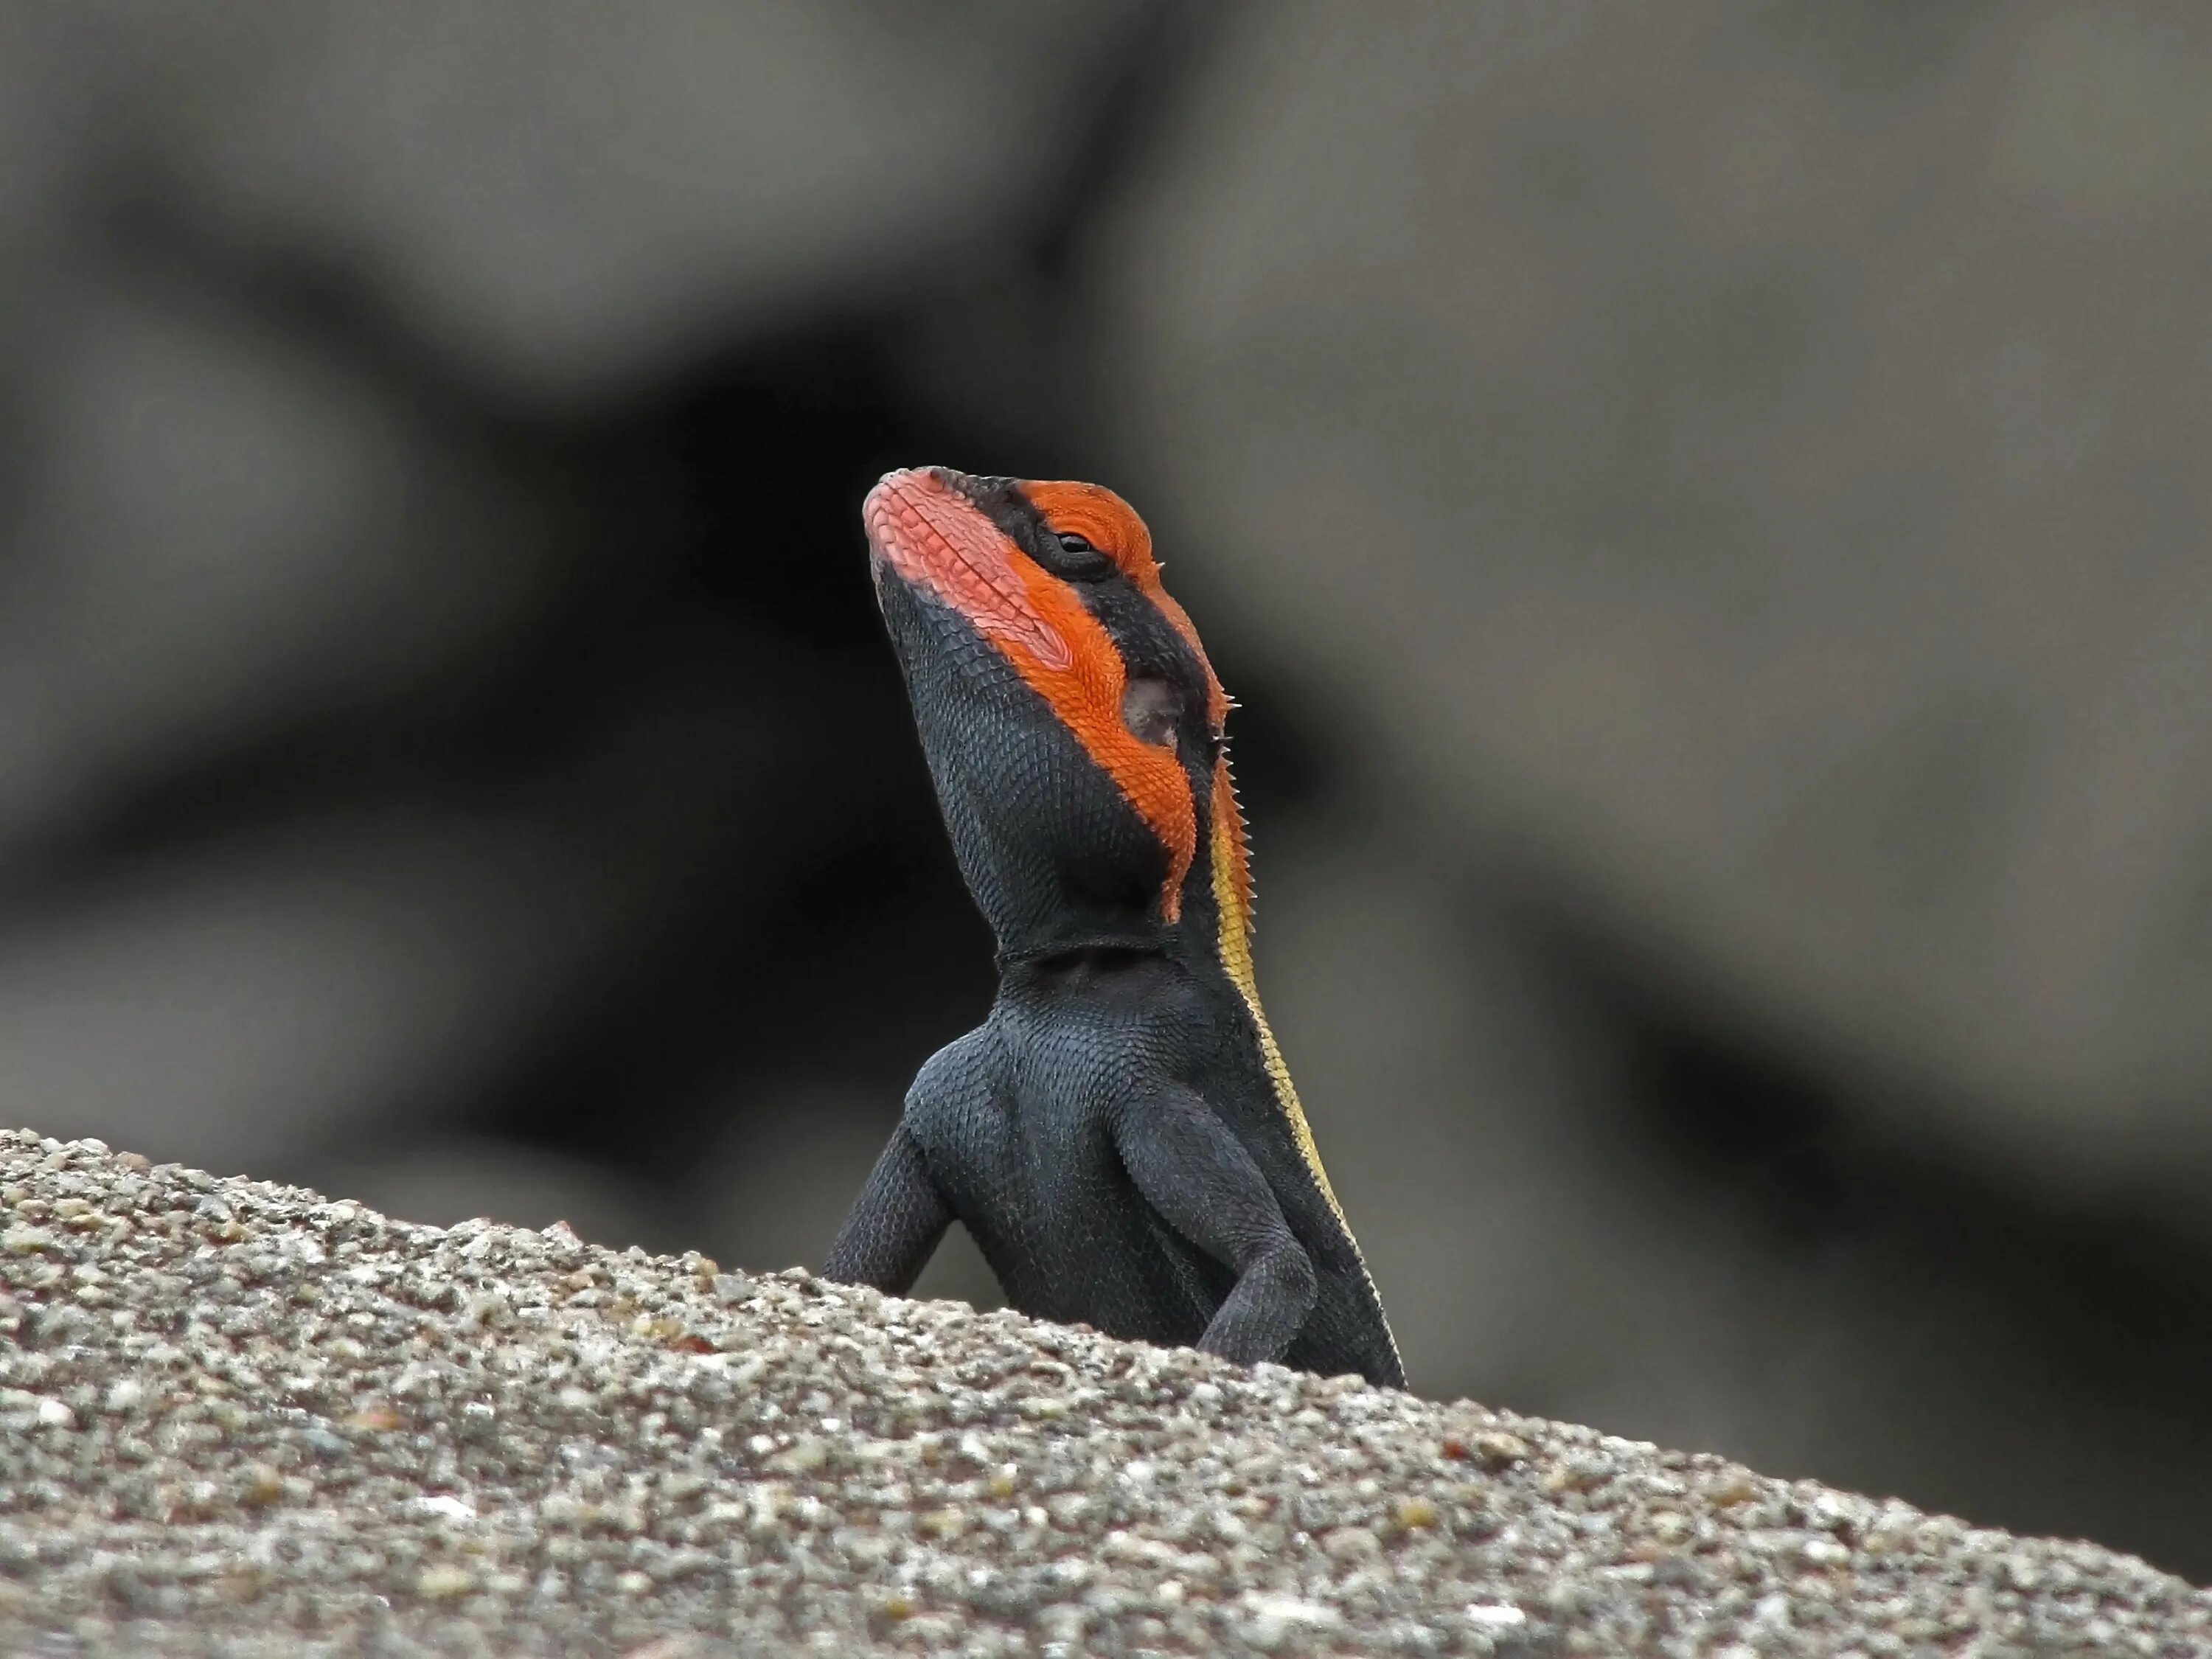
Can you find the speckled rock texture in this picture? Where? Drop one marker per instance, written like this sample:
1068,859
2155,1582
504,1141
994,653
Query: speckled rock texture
236,1419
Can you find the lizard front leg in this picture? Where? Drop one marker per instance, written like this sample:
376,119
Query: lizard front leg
895,1224
902,1214
1205,1185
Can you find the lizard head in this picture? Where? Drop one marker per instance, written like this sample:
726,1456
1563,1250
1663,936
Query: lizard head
1071,723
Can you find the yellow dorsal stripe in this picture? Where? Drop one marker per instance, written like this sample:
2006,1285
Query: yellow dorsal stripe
1236,958
1232,900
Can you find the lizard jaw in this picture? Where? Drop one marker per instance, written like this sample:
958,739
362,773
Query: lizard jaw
926,530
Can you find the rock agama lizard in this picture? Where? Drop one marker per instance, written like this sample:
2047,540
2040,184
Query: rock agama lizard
1120,1135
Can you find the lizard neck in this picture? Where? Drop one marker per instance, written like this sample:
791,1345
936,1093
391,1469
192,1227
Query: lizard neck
1212,918
1100,946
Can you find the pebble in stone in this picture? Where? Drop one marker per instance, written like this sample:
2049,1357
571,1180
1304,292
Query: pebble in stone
236,1419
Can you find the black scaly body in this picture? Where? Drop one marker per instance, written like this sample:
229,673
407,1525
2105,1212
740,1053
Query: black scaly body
1119,1136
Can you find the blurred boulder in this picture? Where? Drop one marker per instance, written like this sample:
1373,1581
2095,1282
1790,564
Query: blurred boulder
225,532
570,201
1748,462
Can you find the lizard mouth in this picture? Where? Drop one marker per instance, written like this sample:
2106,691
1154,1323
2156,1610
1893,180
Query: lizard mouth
922,528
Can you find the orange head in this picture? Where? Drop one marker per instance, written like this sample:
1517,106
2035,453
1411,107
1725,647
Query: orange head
1071,722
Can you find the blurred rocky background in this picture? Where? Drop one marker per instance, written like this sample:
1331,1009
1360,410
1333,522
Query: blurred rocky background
1705,507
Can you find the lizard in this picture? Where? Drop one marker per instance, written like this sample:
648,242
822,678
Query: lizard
1120,1136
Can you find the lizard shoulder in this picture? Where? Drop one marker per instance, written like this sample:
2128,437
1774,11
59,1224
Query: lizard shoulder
959,1076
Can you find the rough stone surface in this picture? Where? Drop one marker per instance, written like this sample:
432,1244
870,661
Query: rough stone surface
236,1419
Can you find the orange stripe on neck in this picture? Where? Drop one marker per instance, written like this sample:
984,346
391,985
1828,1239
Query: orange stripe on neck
1087,696
932,535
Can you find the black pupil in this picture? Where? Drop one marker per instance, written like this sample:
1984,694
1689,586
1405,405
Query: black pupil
1074,544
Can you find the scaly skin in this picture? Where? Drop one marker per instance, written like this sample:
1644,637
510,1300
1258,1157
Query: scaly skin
1120,1135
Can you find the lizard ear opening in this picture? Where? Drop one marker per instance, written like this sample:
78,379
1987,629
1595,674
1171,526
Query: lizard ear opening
1152,710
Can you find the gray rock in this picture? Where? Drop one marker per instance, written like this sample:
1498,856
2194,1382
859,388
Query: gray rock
268,1423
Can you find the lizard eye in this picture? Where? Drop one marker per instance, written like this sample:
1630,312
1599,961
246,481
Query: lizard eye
1071,555
1152,710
